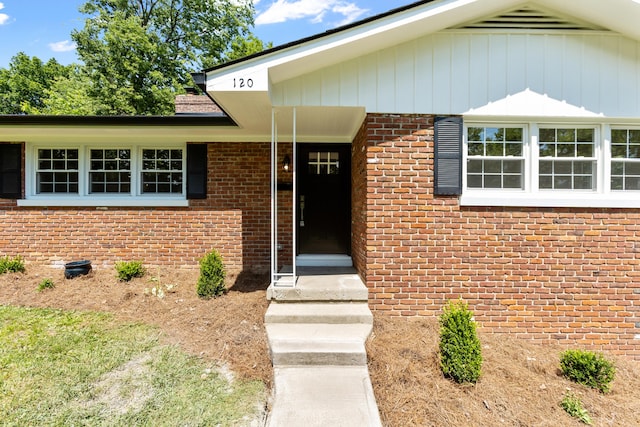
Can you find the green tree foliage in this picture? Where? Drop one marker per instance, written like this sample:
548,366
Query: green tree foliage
69,96
139,53
24,85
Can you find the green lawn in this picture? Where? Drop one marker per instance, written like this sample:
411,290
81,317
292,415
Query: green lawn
60,368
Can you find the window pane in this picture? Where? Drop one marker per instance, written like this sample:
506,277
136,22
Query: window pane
634,151
547,150
619,151
562,182
493,181
494,149
565,150
474,181
474,134
513,181
513,167
632,183
582,183
474,166
632,168
634,136
476,149
547,135
618,136
617,168
494,134
616,183
566,135
513,149
514,134
585,150
493,165
585,135
545,182
162,171
65,164
562,168
546,167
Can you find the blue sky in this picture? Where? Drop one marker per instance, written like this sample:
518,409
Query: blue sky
42,28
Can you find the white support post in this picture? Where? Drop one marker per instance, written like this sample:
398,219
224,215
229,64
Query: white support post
276,275
274,202
294,225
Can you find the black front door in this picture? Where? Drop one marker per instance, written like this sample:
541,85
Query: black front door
324,198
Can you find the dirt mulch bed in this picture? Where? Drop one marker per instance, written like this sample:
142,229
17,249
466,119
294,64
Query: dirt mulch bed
520,385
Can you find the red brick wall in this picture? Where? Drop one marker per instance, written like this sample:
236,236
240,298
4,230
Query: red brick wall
570,276
359,201
234,219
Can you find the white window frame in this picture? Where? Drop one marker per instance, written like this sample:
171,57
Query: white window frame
532,196
84,198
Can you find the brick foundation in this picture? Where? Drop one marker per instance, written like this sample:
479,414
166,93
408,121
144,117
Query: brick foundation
568,276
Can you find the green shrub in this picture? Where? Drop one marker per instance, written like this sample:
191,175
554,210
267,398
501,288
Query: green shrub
460,350
212,274
127,270
11,265
46,284
573,406
588,368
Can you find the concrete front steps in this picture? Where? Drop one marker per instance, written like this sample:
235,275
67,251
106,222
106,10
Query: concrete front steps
317,333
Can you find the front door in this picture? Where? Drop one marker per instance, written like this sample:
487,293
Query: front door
324,199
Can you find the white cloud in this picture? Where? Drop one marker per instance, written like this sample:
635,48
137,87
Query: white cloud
4,18
317,10
63,46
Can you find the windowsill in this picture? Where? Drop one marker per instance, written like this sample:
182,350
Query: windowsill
88,201
552,199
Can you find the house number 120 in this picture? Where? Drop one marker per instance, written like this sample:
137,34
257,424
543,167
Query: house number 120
242,83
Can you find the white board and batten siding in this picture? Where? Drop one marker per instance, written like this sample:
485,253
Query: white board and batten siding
466,72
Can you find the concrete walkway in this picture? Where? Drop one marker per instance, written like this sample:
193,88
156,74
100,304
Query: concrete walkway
317,333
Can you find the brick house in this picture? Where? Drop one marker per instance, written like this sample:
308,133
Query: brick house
485,149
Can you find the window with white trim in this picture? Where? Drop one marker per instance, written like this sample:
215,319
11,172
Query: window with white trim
625,159
567,158
110,171
495,157
57,171
93,174
551,164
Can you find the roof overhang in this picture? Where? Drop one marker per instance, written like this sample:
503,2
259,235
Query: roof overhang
243,87
179,128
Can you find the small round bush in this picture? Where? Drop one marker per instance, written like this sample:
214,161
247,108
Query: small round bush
588,368
460,350
127,270
212,274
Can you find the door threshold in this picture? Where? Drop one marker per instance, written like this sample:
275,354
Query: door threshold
323,260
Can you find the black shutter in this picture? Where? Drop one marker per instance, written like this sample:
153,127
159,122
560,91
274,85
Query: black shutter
196,171
10,171
448,156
